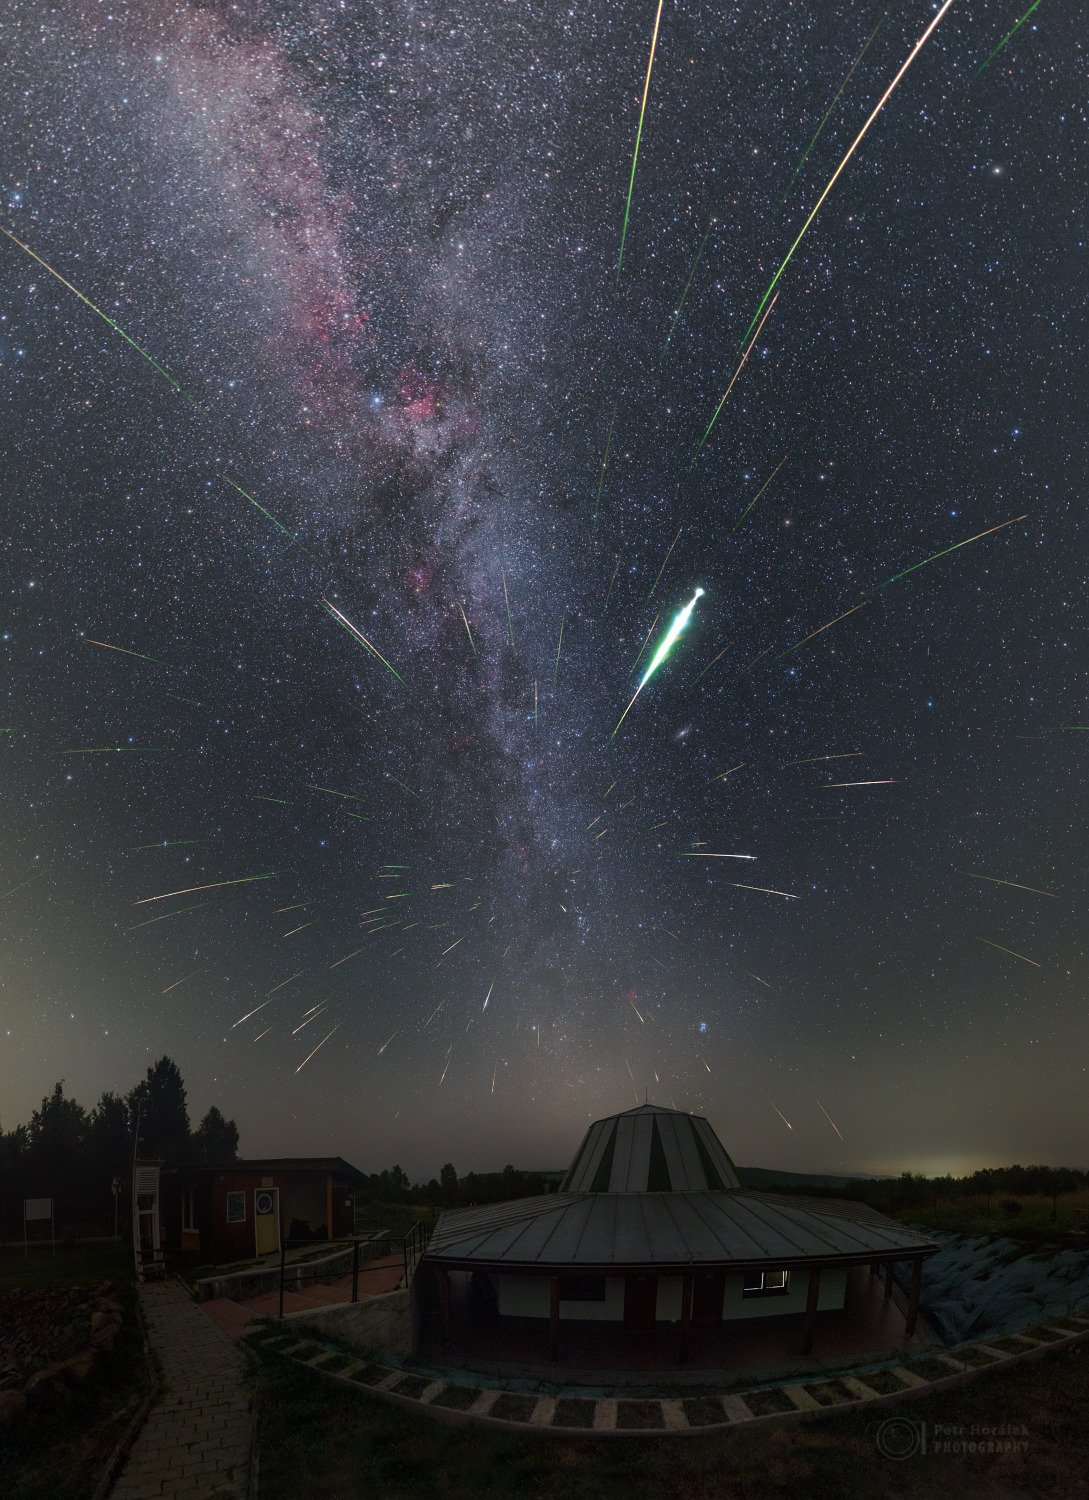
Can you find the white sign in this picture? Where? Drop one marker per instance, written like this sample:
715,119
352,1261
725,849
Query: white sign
37,1208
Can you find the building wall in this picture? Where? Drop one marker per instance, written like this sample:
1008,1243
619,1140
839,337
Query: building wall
527,1296
832,1293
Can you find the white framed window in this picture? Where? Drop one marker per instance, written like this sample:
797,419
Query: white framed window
766,1283
189,1211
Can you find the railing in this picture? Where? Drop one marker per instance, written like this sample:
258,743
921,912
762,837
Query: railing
354,1253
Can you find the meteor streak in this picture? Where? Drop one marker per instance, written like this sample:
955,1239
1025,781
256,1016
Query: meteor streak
214,886
155,365
362,639
468,632
831,107
125,651
692,854
1010,951
559,648
763,889
813,635
954,548
488,996
317,1049
684,295
182,980
737,372
818,1103
852,148
831,785
782,1117
270,517
638,138
506,601
1012,883
661,570
761,490
669,640
987,61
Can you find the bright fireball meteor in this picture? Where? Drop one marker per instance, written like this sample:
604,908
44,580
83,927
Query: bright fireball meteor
669,640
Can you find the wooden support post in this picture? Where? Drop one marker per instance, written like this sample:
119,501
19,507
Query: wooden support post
554,1315
811,1296
686,1315
874,1268
444,1304
913,1296
888,1280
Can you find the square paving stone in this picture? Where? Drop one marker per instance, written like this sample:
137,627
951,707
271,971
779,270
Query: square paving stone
829,1392
410,1385
573,1411
884,1382
514,1408
456,1397
768,1403
639,1414
703,1411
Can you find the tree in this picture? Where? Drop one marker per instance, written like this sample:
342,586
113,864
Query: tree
164,1120
215,1140
448,1180
56,1138
109,1141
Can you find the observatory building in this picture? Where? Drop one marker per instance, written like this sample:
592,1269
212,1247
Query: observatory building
652,1249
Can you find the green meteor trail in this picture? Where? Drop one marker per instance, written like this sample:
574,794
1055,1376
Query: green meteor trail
669,640
125,651
684,295
852,148
638,138
831,107
270,517
761,490
1015,27
154,363
954,548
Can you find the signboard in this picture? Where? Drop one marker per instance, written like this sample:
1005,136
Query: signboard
38,1211
236,1208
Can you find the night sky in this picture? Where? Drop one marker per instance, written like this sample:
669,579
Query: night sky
375,246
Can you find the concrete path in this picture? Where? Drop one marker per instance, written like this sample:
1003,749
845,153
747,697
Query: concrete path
195,1444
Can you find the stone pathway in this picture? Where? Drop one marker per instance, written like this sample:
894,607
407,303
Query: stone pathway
195,1444
628,1413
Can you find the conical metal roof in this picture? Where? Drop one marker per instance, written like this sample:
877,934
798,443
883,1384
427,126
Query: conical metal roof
651,1149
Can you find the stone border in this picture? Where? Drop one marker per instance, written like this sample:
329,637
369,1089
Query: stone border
117,1458
554,1414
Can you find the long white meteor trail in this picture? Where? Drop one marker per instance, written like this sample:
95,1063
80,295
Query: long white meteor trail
669,640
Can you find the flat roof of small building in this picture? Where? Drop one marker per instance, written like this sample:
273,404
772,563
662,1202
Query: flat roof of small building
610,1229
335,1164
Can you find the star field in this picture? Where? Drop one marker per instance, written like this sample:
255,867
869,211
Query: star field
374,249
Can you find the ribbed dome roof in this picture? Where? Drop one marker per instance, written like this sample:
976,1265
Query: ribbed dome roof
651,1149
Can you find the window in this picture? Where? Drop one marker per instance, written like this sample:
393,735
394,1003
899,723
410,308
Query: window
582,1289
189,1212
766,1283
236,1208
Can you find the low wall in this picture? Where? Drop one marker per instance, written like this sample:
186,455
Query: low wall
380,1324
238,1285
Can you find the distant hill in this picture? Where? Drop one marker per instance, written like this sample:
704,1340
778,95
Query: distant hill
764,1177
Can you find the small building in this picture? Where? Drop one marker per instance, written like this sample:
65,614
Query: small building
651,1234
244,1209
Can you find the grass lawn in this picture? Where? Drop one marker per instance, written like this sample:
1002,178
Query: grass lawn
60,1455
984,1215
398,1218
72,1265
317,1440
